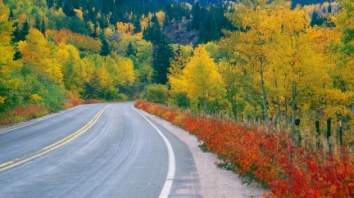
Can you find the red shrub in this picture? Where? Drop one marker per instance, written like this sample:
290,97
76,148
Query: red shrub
73,102
91,101
271,159
6,121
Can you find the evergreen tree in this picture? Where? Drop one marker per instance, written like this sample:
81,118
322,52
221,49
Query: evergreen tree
153,32
203,35
11,15
15,36
214,31
130,50
105,49
196,10
162,55
43,27
316,19
37,23
137,26
24,31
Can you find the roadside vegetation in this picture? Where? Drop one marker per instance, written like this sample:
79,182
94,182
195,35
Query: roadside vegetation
273,98
271,159
252,78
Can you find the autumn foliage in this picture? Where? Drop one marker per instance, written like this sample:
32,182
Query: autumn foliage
272,160
22,113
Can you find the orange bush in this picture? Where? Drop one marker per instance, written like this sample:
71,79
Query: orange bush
6,121
73,102
26,112
91,101
273,160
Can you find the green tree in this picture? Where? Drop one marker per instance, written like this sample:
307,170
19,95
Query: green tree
8,84
162,55
131,51
156,93
105,48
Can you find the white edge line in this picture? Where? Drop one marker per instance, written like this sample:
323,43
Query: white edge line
171,161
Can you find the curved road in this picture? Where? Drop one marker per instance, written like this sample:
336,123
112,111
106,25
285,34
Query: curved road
98,150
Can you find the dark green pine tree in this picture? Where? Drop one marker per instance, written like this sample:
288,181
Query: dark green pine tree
15,36
203,34
162,55
153,32
105,49
37,23
316,19
43,27
137,26
131,51
196,12
214,31
11,15
24,31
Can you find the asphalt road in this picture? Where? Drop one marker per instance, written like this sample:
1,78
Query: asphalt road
98,150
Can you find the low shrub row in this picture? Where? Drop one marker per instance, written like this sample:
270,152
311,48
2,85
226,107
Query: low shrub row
23,113
271,159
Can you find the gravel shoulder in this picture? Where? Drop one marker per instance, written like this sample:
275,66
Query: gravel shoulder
214,182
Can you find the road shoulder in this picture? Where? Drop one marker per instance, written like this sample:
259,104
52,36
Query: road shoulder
214,182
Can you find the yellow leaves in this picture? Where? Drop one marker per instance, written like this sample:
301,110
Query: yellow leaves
161,17
144,21
345,18
35,98
126,71
103,77
7,51
37,51
79,13
35,48
2,99
201,78
4,12
125,28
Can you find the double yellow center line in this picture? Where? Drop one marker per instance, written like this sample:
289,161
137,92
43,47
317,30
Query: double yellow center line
52,147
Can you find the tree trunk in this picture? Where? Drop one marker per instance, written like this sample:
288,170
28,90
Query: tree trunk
293,95
279,105
264,94
286,114
205,105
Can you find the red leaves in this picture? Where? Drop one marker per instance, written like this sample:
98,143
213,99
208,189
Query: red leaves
271,159
22,113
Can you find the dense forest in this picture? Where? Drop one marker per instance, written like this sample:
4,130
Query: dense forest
57,51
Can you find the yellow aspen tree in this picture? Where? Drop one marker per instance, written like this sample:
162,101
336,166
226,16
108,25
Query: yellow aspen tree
303,73
201,79
125,28
178,63
253,44
126,71
341,97
79,13
37,52
73,69
7,64
161,17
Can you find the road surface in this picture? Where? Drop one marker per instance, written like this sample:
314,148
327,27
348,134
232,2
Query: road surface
97,150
